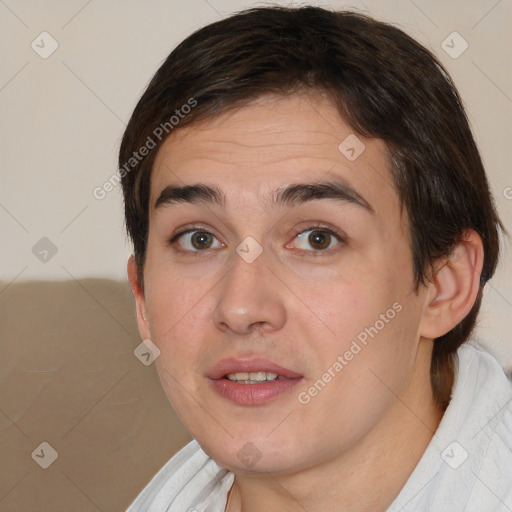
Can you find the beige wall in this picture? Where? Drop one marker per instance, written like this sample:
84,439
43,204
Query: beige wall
63,116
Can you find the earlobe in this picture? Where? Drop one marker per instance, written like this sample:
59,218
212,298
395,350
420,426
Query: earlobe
140,301
454,287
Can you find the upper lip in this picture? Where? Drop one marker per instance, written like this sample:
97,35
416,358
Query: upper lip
232,365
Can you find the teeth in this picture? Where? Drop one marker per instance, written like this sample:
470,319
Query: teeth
252,378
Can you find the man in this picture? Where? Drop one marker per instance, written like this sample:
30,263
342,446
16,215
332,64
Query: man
312,231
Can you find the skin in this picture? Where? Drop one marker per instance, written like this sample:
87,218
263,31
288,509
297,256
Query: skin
358,440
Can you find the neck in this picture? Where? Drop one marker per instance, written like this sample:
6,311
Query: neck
367,477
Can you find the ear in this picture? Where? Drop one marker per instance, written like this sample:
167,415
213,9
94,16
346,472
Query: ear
140,301
454,288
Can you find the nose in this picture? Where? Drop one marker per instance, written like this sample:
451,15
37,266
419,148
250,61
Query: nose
251,298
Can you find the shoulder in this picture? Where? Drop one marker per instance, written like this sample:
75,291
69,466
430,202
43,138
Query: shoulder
482,378
490,432
190,480
468,464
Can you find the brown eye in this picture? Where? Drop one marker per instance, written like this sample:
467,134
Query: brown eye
195,241
201,240
317,240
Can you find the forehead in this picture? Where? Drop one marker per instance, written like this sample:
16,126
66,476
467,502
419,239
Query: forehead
272,142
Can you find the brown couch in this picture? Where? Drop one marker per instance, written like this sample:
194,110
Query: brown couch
69,378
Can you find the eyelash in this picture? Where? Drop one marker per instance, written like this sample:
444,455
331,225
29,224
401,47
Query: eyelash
315,253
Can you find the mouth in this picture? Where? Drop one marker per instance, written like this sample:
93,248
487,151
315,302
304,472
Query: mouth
252,382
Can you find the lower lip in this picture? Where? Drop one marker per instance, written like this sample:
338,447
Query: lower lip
253,394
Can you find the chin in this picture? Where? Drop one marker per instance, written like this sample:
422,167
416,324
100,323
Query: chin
253,455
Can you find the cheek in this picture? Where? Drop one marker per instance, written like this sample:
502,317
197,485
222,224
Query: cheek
369,317
178,328
362,367
174,297
180,314
349,303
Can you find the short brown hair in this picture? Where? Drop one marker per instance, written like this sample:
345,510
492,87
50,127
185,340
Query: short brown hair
384,84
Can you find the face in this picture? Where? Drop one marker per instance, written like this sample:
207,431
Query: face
294,263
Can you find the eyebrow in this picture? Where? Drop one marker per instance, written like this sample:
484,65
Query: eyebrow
288,195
